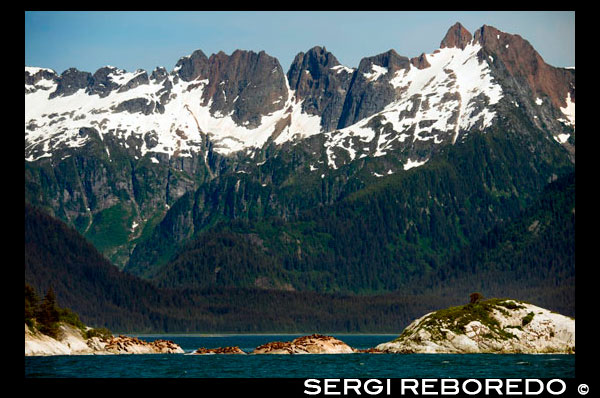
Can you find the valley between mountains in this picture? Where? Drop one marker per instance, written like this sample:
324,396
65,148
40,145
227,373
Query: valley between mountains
229,195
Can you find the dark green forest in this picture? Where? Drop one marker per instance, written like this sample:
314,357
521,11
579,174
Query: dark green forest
57,257
529,257
451,225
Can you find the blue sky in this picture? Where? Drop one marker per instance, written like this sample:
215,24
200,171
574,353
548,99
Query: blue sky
131,40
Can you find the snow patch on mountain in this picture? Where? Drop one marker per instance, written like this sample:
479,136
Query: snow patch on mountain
50,123
414,163
376,72
450,92
342,68
455,93
569,111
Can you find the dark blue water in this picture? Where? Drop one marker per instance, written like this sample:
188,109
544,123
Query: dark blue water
298,366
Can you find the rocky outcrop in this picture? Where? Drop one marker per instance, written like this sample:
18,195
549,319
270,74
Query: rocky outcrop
191,67
457,36
35,75
245,85
313,344
521,62
71,81
135,105
101,83
133,345
371,90
420,62
70,341
322,83
220,350
493,326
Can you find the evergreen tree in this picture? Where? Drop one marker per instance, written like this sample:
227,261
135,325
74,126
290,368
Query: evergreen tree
31,304
48,314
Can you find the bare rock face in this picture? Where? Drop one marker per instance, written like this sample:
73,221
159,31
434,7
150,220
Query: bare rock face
370,90
457,36
38,75
313,344
493,326
193,66
520,61
420,62
71,81
245,84
101,82
322,83
68,342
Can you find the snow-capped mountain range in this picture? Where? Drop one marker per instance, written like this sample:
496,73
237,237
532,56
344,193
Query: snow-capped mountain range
140,162
242,102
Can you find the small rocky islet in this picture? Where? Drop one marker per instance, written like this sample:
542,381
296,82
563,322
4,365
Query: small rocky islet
71,341
313,344
499,326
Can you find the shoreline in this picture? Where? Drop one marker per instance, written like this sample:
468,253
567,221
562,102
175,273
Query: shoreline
248,334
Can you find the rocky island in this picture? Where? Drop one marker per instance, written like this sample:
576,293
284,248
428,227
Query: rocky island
52,330
313,344
219,350
71,340
503,326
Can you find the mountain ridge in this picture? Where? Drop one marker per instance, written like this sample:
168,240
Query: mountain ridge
143,165
227,82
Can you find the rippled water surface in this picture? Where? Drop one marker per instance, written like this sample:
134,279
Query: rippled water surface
298,366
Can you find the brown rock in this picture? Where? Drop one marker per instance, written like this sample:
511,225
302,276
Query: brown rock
220,350
274,347
524,64
313,344
457,36
125,344
420,62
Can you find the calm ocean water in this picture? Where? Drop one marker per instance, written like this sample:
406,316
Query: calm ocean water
296,366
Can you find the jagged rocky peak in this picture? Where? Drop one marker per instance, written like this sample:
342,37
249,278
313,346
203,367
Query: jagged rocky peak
522,62
109,78
103,82
420,62
310,65
245,99
159,74
384,63
71,81
371,90
244,85
39,79
34,74
321,82
191,67
457,36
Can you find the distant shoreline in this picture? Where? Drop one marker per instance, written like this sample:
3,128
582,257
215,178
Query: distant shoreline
250,334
